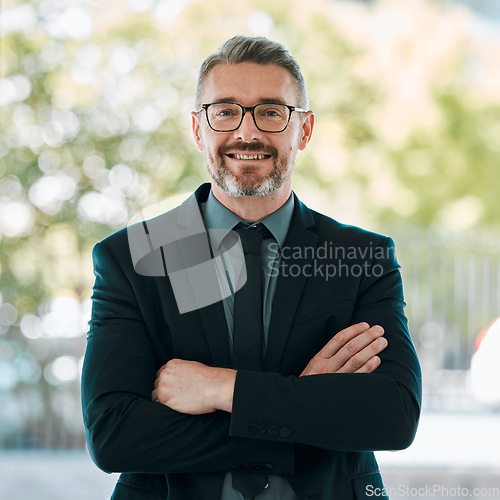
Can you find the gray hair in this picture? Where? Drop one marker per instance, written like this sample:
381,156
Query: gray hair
259,50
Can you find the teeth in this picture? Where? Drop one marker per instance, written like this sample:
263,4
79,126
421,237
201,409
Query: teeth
251,157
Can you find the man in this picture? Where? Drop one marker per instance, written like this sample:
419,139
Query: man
192,387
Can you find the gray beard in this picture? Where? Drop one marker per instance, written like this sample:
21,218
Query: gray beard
230,184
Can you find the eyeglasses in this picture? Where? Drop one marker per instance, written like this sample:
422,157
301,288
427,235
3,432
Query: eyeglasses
228,116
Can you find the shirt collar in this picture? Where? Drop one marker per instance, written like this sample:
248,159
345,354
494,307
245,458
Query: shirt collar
279,221
217,216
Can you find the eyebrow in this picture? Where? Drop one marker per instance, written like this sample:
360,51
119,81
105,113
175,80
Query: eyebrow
264,100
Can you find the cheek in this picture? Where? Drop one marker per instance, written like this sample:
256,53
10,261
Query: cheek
211,144
206,141
288,143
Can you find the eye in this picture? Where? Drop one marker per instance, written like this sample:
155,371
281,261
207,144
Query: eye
224,111
272,112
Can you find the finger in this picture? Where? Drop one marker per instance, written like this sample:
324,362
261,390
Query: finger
371,365
358,360
333,364
357,344
341,338
351,340
159,376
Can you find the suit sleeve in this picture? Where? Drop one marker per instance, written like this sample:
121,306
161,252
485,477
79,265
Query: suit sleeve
124,429
349,412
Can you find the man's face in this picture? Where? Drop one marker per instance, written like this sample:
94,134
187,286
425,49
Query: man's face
270,156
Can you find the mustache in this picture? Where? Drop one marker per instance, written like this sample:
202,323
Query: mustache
249,147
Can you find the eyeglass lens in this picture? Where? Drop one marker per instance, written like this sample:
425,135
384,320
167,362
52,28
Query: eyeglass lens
228,116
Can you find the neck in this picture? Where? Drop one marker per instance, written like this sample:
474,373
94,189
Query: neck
254,208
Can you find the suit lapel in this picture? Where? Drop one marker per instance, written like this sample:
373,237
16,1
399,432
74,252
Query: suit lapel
212,316
215,325
290,286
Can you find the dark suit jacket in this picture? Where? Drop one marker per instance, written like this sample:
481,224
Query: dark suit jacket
318,431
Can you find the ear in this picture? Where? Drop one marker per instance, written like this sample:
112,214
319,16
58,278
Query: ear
195,122
306,130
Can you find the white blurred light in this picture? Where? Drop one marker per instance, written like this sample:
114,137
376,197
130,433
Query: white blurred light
260,23
7,91
146,117
66,308
485,369
65,123
52,136
89,56
123,59
63,370
16,219
130,149
122,176
93,207
165,97
49,160
166,10
70,23
23,116
49,57
93,165
33,137
14,88
80,74
63,319
463,213
11,188
21,18
31,326
49,192
431,334
140,5
82,71
22,85
107,208
101,180
8,314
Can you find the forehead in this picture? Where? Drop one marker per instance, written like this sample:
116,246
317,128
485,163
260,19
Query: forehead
249,83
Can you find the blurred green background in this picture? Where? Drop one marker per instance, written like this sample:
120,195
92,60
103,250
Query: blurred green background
95,100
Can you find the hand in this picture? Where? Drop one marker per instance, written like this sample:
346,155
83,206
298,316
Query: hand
194,388
353,350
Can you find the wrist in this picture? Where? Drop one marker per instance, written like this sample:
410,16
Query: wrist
222,389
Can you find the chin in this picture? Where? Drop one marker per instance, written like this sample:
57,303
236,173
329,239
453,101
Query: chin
237,189
248,182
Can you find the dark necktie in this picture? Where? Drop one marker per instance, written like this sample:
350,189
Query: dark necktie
248,333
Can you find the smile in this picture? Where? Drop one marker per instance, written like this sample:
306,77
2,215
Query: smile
248,157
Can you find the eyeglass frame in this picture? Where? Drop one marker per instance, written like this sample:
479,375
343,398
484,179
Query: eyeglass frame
252,110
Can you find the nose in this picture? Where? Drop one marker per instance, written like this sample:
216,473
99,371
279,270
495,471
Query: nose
247,131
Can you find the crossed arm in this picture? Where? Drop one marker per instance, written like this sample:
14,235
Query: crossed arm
125,431
194,388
